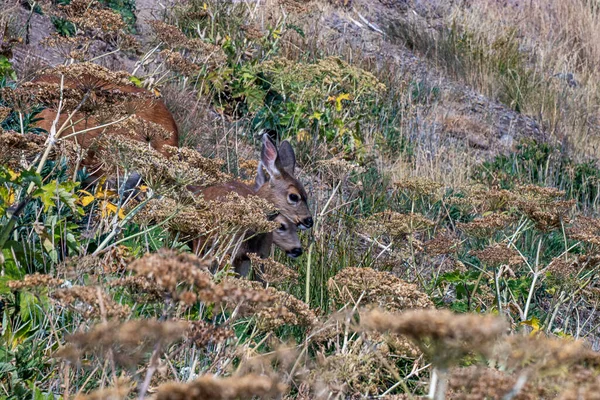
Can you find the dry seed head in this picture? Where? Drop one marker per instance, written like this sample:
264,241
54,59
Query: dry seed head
444,336
487,225
442,243
35,281
168,34
140,287
203,334
177,63
130,340
4,112
544,355
378,288
417,187
585,229
272,271
337,169
396,225
498,254
86,71
484,199
470,383
168,270
91,302
16,148
209,387
118,392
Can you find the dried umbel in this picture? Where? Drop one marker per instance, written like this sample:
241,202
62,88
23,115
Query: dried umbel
174,273
164,175
16,148
87,72
543,355
442,243
498,254
471,383
209,387
35,281
129,341
140,287
117,392
396,225
418,187
484,199
585,229
486,226
75,47
4,112
544,206
442,335
336,169
170,35
210,166
91,302
378,288
358,371
176,62
203,334
272,271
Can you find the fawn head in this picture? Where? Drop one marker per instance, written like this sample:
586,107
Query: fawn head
286,237
282,188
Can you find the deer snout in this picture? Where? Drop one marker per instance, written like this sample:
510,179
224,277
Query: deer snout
306,223
295,252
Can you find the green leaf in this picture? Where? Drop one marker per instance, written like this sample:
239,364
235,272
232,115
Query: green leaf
136,81
52,192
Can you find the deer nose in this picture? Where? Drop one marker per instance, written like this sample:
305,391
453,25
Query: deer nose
306,223
295,252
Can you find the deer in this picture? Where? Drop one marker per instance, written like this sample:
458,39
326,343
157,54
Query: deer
145,107
283,190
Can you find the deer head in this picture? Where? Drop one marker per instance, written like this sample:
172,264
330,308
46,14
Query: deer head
282,188
286,237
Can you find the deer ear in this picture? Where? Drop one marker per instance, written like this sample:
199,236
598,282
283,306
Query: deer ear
268,157
261,179
287,158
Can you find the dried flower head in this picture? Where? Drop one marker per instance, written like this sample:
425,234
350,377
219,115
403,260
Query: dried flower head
336,169
498,254
486,383
91,302
585,229
174,273
142,288
417,187
17,149
203,334
209,387
170,35
178,63
272,271
442,243
544,355
118,392
444,336
396,225
128,341
485,199
379,288
544,206
487,225
35,281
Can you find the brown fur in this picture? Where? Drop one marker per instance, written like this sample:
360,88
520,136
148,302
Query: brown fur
260,244
152,110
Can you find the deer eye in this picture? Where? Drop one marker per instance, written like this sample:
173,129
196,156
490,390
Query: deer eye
294,198
282,228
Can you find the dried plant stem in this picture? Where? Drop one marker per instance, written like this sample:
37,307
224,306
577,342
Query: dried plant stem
310,248
66,371
118,226
150,371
